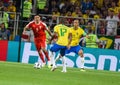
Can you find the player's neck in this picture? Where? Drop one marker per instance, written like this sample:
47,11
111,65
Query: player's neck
37,22
75,27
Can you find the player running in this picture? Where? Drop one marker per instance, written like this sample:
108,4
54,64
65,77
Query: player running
38,27
63,42
77,33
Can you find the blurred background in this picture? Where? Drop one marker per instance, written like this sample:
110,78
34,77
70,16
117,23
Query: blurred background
95,14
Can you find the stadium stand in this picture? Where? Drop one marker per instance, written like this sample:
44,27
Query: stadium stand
94,12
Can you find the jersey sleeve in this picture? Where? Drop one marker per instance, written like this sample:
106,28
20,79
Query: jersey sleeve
55,29
45,26
83,32
29,25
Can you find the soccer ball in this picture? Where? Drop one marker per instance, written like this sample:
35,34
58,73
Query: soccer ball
38,65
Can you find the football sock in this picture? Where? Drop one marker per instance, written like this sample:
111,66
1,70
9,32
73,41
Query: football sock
82,62
57,58
42,57
64,63
47,56
52,54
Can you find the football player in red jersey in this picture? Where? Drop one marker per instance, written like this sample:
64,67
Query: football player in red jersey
39,29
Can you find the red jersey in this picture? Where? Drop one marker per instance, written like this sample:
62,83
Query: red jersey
38,29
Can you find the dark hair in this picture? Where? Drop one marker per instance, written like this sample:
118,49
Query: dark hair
61,20
38,15
90,30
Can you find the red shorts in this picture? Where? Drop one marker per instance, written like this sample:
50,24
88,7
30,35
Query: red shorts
40,43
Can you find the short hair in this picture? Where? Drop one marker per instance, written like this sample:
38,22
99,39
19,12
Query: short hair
76,19
38,15
62,20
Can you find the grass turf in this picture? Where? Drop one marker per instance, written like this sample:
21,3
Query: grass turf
12,73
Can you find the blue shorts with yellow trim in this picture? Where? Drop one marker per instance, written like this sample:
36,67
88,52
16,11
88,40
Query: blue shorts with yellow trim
74,49
56,48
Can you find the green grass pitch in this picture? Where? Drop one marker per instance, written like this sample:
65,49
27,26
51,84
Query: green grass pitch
12,73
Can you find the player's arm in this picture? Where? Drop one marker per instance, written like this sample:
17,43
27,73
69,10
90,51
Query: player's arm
83,42
48,29
97,40
50,33
85,35
25,28
54,36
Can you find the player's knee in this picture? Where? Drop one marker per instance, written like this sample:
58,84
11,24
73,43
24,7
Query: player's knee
51,49
81,53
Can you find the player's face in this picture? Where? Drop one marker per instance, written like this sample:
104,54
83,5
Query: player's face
76,23
37,18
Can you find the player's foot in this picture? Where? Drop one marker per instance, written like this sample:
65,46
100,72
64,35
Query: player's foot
49,66
43,64
64,71
54,68
82,69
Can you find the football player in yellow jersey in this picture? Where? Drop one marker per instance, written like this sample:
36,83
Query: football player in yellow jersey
77,33
62,44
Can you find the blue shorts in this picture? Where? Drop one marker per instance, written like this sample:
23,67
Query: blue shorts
60,48
74,49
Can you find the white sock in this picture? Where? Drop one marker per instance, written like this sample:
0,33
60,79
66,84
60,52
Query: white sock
64,63
57,58
82,62
52,55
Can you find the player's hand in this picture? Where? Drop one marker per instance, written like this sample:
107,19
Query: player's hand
23,32
87,36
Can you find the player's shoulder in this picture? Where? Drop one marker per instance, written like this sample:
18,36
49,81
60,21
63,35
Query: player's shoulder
80,29
57,26
42,23
32,22
71,28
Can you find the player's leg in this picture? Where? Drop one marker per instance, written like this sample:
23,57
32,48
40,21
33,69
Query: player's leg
62,55
54,48
82,59
58,57
64,64
43,47
78,50
40,54
47,56
52,56
42,58
38,47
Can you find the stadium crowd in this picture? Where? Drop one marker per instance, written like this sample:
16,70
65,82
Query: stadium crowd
88,11
93,14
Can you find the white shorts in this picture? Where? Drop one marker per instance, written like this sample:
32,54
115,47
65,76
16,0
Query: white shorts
111,31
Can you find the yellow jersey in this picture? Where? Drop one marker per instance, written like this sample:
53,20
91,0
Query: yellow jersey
63,33
116,9
76,35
